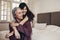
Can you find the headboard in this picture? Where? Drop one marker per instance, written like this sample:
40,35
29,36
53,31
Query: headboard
51,18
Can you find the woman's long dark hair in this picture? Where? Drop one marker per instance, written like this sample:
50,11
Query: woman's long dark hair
28,13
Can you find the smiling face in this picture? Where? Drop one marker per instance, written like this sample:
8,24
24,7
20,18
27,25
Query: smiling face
24,10
19,13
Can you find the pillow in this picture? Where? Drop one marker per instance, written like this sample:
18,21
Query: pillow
52,28
40,26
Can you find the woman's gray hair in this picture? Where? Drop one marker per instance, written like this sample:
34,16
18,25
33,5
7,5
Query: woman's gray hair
13,11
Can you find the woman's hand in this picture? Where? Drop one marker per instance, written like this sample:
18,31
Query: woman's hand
9,34
17,35
24,20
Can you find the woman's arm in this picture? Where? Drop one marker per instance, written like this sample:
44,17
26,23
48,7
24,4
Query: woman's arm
22,22
17,35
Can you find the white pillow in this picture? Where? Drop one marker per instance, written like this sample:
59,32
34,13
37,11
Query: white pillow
52,28
40,26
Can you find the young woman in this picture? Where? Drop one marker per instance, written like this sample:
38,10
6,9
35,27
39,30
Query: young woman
26,11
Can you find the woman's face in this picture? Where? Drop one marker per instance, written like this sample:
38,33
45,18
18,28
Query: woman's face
19,13
24,10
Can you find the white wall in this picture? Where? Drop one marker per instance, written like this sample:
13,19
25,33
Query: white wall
42,6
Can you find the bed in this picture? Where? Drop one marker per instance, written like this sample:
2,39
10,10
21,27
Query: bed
47,26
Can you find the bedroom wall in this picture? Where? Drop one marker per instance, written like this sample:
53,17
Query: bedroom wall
42,6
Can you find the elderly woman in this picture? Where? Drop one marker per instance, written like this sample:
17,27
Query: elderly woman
21,31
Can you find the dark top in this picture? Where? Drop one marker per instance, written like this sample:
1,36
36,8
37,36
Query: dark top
25,31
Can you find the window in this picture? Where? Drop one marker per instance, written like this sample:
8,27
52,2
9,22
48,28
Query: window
5,10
